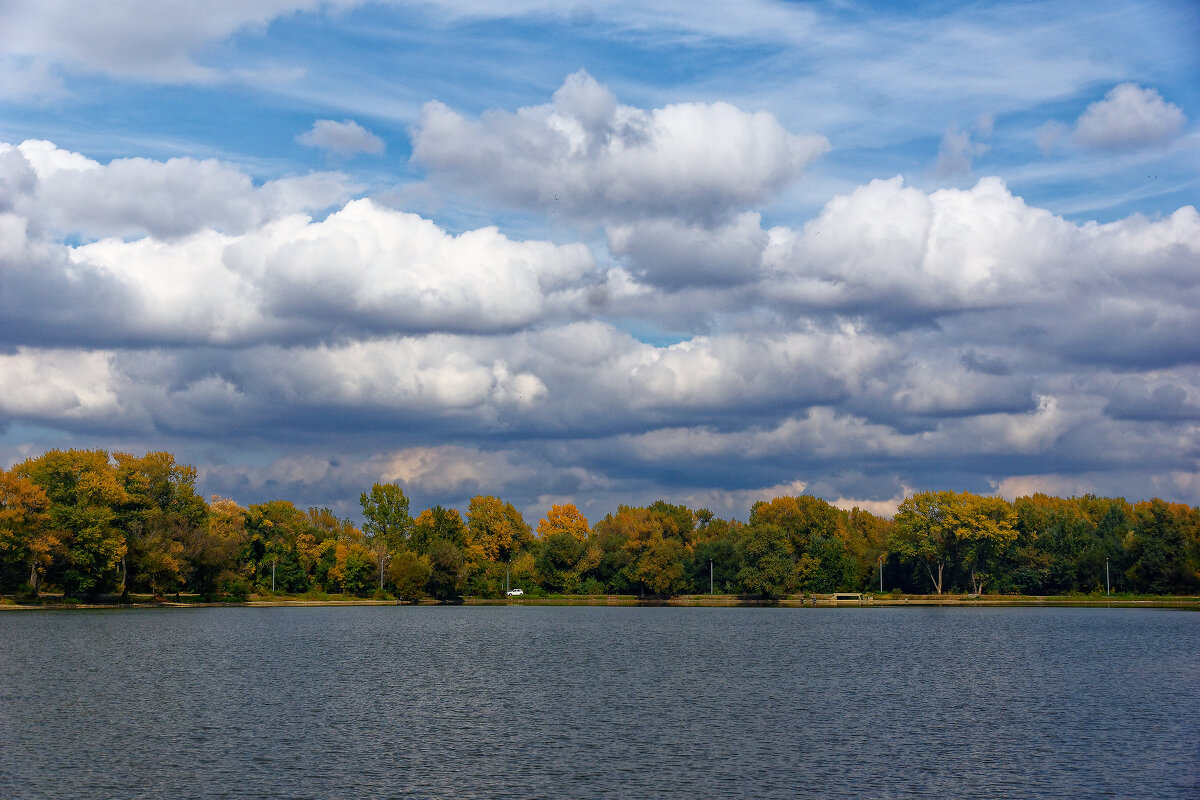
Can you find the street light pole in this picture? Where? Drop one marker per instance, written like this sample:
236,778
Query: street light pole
1107,585
710,582
881,573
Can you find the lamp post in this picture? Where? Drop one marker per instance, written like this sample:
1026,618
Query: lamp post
881,573
1107,585
710,581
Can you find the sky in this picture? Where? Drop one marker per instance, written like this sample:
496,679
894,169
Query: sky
606,253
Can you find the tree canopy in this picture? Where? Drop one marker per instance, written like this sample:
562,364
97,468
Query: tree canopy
87,522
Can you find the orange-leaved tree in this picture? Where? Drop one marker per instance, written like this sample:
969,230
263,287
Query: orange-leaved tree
564,518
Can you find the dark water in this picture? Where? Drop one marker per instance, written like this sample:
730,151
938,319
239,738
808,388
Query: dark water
600,702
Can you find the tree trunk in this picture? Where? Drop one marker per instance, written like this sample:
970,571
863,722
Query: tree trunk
937,581
34,578
977,582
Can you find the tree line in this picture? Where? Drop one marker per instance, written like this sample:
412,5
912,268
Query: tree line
89,523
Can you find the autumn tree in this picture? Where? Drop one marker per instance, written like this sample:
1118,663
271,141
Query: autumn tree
984,526
26,539
565,518
213,550
496,528
938,527
437,524
162,512
866,542
84,495
657,543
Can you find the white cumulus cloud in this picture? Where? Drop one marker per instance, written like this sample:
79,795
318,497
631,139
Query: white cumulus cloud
892,251
589,156
343,138
68,193
1129,117
193,251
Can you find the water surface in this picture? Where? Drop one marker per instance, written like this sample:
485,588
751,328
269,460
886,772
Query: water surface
580,702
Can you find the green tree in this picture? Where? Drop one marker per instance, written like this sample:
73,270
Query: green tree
437,524
925,531
408,574
447,570
818,535
1157,547
357,567
726,561
85,496
769,567
386,518
558,561
289,571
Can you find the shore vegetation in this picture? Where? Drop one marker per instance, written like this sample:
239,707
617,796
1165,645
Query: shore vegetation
82,525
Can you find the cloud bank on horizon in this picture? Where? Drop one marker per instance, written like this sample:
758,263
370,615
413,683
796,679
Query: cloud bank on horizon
311,246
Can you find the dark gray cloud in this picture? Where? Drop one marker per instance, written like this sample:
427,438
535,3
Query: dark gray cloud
671,255
1147,400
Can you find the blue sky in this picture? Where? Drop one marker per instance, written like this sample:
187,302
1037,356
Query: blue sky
607,252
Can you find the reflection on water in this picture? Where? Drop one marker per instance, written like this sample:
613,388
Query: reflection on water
425,702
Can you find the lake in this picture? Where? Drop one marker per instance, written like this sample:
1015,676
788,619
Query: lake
583,702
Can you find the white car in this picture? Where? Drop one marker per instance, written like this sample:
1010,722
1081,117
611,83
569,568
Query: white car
515,592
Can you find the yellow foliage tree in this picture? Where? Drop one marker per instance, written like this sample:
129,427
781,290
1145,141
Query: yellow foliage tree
936,526
565,518
24,535
496,528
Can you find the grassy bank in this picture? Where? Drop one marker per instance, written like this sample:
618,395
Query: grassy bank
704,600
872,600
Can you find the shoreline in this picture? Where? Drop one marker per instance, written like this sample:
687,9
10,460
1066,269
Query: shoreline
681,601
